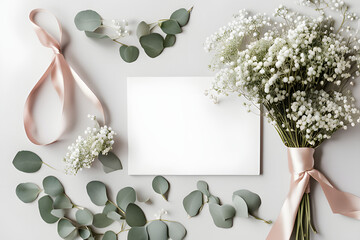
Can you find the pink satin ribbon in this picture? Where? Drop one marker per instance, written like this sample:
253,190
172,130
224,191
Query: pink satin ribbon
301,166
61,74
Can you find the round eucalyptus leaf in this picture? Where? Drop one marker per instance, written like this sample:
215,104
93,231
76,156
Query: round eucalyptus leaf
101,221
91,238
95,35
214,199
65,228
252,200
97,193
27,192
203,187
222,215
45,205
160,185
153,44
114,216
135,217
176,230
60,213
109,235
27,161
109,207
142,29
84,217
129,54
62,202
181,16
240,206
87,20
84,233
53,186
125,196
157,230
193,202
170,40
138,233
170,27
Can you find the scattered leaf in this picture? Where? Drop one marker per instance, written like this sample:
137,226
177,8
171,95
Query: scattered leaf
101,221
97,193
60,213
27,192
45,205
222,215
240,206
135,217
84,217
111,161
62,202
203,187
125,196
95,35
214,199
109,235
138,233
153,44
181,16
170,40
160,185
170,27
253,201
53,186
65,228
129,54
109,207
142,29
87,20
157,230
193,202
176,230
27,161
114,216
84,233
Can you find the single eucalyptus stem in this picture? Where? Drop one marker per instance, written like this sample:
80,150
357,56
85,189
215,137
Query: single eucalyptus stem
120,43
258,218
50,166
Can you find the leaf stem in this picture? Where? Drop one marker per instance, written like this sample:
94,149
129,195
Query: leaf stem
122,211
258,218
120,43
190,9
50,166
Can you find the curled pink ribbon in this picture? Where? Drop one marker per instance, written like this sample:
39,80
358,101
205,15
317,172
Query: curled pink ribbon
61,74
301,166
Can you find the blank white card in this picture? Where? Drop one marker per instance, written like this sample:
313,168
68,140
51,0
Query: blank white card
174,129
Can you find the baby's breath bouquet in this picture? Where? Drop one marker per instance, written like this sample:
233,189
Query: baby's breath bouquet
299,68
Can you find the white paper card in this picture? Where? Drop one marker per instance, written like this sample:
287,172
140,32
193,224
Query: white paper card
174,129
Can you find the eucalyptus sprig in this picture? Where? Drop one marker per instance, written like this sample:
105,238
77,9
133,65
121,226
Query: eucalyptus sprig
153,43
245,204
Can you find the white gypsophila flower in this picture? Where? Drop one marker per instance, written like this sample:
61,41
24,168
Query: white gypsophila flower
82,153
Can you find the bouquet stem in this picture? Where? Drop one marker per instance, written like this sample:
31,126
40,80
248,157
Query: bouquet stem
303,219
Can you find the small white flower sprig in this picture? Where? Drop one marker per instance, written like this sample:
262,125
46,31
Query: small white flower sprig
97,143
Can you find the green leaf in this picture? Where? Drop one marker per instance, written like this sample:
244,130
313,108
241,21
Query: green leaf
138,233
170,40
114,216
53,186
181,16
62,202
97,193
240,206
65,228
45,205
27,161
60,213
84,233
109,235
142,29
170,27
222,215
135,217
193,202
111,161
203,187
252,200
129,54
87,20
101,220
160,185
109,207
125,196
176,230
153,44
95,35
157,230
27,192
84,217
214,199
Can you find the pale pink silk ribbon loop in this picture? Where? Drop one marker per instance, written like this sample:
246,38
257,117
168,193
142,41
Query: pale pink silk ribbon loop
61,74
301,163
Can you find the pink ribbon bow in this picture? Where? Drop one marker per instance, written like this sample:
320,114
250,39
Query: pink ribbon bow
301,166
61,76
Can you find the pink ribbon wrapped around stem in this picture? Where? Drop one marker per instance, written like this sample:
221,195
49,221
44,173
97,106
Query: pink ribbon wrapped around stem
61,74
301,166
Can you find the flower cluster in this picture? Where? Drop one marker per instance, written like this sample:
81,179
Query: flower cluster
115,28
82,153
300,68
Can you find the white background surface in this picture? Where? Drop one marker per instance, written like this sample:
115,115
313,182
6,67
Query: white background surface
193,133
23,60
